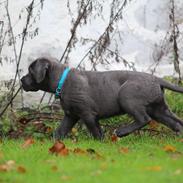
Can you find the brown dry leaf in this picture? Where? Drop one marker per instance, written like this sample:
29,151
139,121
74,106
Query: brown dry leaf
124,150
180,140
59,149
114,138
28,142
169,148
4,168
49,130
98,156
79,151
21,169
153,124
54,168
9,165
154,168
64,152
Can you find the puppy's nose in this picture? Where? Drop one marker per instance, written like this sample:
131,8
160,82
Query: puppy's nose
22,79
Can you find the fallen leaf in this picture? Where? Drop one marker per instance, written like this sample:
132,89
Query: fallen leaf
180,140
10,162
54,168
154,168
4,168
59,149
124,150
153,124
21,169
64,152
49,130
114,138
9,165
79,151
28,143
169,148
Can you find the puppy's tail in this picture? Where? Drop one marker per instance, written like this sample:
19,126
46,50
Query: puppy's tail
170,86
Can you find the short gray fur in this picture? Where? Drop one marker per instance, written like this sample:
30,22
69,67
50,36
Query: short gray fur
90,96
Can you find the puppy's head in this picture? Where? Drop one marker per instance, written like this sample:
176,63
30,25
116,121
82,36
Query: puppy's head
37,75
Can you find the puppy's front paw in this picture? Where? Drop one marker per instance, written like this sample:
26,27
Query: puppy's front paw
57,135
120,132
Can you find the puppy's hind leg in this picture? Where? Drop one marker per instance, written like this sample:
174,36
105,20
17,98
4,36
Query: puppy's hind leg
132,102
141,119
173,116
166,117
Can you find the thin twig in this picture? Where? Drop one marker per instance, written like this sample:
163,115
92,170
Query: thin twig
106,30
29,9
7,105
14,48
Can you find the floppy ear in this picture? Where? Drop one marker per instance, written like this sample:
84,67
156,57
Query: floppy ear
39,70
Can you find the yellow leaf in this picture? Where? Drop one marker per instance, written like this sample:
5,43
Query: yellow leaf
124,150
9,165
54,168
21,169
28,143
169,148
154,168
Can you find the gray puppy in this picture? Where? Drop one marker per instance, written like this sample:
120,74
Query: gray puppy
90,96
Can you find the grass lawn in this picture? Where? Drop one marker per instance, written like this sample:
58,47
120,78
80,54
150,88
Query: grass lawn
136,158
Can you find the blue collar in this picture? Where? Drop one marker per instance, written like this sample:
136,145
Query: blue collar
63,77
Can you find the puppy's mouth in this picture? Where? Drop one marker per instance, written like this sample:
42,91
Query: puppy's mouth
28,88
28,85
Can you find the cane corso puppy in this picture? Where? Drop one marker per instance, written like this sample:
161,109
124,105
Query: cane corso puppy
90,96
